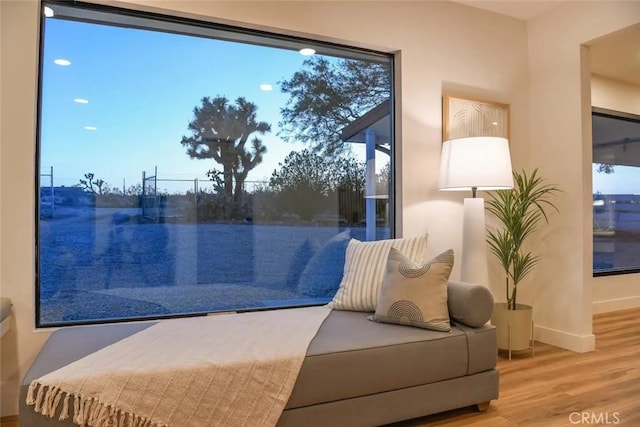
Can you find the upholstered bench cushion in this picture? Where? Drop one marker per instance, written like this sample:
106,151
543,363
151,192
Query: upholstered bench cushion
63,347
350,357
5,308
67,345
353,356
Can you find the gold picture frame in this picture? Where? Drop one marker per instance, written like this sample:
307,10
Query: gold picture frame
464,117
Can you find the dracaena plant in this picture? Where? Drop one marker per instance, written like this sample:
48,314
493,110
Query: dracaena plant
519,212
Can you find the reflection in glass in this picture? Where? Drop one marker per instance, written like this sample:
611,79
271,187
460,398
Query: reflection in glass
198,190
616,192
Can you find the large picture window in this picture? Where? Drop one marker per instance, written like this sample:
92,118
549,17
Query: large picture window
188,168
616,192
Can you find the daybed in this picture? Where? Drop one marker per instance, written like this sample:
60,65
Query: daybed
356,372
5,312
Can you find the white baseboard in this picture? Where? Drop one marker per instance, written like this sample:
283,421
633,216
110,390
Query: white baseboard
573,342
608,305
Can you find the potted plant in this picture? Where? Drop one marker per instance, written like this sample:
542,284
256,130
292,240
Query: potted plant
519,212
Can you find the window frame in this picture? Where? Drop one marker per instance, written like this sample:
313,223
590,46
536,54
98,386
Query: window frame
202,28
619,115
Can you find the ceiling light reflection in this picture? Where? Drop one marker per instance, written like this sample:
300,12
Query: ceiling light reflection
307,51
62,62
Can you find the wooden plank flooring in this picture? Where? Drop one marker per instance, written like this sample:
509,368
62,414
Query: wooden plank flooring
10,421
603,385
545,390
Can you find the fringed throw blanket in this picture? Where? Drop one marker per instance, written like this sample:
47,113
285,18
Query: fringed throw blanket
232,370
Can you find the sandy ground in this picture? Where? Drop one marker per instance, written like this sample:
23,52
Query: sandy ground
101,263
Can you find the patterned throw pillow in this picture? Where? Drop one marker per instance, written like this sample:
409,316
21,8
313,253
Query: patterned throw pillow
414,294
364,269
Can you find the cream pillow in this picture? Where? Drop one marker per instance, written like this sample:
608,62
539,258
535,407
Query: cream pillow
415,294
364,269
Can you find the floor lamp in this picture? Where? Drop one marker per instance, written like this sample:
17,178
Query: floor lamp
475,163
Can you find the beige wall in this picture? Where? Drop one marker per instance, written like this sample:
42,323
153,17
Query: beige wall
560,136
622,291
615,95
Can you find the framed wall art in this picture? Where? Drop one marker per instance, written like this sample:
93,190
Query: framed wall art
463,117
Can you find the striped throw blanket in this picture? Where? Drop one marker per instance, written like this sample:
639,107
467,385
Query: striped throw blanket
231,370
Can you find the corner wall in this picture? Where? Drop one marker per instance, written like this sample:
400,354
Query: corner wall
560,136
18,38
442,44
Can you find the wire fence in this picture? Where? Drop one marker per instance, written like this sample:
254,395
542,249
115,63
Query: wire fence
201,197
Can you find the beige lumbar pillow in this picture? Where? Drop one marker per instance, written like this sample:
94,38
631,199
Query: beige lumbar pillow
414,294
364,270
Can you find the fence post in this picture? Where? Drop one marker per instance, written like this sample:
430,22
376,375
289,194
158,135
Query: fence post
53,200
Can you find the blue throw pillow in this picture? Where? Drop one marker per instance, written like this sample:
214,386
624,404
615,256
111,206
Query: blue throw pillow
322,275
298,263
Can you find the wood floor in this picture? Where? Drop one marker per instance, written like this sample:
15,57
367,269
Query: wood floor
558,387
10,421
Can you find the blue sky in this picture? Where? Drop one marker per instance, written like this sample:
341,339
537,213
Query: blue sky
624,180
142,87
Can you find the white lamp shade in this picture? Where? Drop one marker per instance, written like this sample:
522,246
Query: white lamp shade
483,162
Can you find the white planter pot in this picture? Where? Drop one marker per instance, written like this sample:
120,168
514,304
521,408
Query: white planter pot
514,327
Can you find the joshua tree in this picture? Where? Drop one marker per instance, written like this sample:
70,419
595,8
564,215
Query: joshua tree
222,131
96,187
